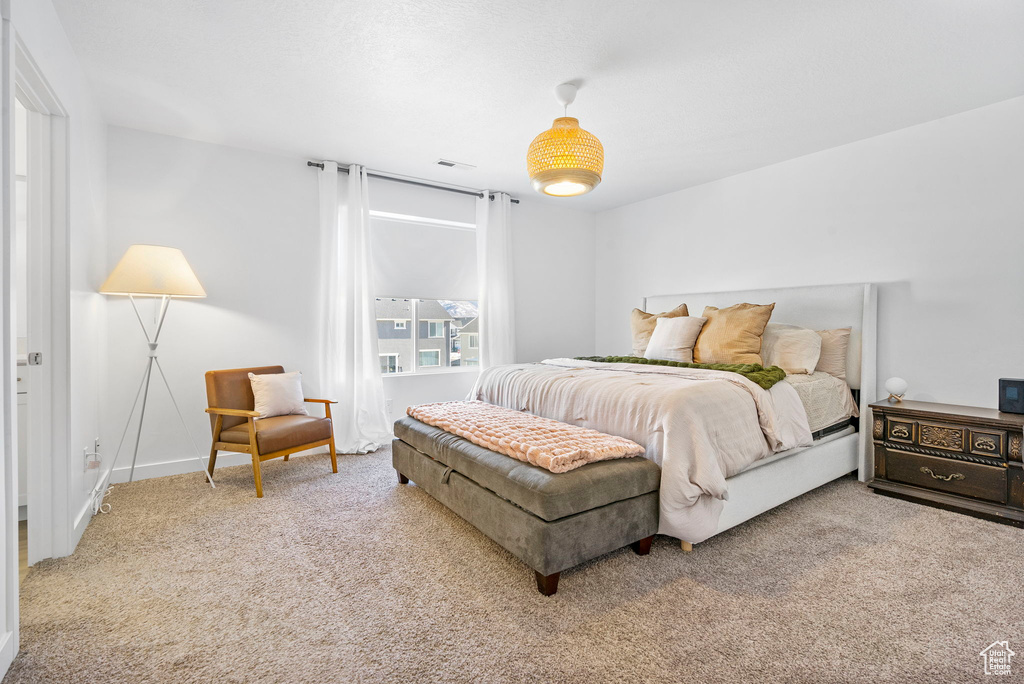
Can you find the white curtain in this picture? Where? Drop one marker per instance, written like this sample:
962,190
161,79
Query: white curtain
349,366
494,272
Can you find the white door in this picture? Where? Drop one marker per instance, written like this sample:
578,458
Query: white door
38,347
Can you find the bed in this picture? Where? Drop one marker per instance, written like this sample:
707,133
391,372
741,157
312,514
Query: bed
706,488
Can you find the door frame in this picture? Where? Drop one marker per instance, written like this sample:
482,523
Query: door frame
49,500
49,492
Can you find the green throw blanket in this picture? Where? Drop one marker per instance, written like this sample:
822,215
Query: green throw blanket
765,377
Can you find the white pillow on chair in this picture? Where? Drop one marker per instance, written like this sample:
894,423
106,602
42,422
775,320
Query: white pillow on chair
278,394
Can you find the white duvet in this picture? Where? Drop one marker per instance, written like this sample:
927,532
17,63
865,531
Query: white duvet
701,426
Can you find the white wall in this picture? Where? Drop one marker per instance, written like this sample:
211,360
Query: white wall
39,29
935,213
248,224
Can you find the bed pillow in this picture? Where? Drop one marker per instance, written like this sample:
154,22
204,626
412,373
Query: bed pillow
732,335
643,324
278,394
835,345
791,348
673,338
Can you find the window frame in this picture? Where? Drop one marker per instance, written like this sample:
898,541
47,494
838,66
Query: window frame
401,325
413,366
395,355
419,358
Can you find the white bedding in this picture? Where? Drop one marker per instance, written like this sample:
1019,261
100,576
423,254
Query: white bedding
701,426
826,398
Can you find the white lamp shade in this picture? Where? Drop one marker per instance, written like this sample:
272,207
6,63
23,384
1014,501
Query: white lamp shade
896,386
154,271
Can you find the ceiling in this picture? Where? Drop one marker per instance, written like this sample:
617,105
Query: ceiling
680,92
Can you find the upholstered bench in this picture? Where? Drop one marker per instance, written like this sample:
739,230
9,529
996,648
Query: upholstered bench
550,521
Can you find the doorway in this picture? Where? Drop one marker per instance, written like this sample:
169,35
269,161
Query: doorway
33,315
40,311
21,281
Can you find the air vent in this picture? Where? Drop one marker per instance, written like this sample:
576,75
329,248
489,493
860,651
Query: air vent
454,164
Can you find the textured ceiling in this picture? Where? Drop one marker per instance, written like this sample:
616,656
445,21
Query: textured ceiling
680,92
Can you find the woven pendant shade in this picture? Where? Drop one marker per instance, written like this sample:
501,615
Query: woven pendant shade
565,160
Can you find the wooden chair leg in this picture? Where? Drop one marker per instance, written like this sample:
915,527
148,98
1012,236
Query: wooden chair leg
254,449
687,546
213,461
547,584
402,479
286,456
256,475
334,455
642,547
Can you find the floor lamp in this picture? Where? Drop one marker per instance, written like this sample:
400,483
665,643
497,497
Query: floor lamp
153,271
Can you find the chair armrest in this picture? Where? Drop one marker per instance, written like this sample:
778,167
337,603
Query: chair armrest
320,401
234,412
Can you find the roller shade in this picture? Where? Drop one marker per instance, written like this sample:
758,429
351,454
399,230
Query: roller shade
423,260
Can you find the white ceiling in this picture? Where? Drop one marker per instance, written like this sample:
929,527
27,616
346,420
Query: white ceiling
680,92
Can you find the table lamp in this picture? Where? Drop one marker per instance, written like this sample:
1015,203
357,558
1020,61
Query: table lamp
153,271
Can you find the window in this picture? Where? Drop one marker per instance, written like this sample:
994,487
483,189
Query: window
430,357
389,364
426,335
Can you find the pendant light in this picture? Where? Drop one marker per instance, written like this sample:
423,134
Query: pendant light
565,160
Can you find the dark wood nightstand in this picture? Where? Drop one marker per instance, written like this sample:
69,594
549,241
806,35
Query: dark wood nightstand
962,458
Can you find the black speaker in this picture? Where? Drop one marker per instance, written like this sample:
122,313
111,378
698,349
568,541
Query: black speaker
1011,395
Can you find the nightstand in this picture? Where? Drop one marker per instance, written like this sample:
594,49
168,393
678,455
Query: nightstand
962,458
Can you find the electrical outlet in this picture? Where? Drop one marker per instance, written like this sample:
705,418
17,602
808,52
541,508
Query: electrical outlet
388,403
92,458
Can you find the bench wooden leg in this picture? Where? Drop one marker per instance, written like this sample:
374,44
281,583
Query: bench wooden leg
687,546
402,479
642,547
213,461
256,475
286,457
547,584
334,455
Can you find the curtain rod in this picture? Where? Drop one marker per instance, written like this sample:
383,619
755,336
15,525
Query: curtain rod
410,181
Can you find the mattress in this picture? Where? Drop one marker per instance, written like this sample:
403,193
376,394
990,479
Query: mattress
827,399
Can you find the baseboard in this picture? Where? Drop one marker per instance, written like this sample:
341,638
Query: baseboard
8,649
145,471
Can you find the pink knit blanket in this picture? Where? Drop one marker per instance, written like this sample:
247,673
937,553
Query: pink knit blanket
558,447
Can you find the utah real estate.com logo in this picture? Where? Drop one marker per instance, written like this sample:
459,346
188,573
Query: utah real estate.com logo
997,658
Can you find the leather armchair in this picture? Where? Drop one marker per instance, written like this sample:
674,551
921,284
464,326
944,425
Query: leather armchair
237,427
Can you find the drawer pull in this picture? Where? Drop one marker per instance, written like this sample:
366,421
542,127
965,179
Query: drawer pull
900,431
985,444
944,478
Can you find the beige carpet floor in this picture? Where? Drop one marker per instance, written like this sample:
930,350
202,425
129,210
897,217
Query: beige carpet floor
353,578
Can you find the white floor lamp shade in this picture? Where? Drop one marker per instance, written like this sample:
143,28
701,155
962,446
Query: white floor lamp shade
153,271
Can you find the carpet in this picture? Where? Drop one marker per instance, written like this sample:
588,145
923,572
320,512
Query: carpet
353,578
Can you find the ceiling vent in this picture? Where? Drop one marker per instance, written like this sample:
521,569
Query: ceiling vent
454,164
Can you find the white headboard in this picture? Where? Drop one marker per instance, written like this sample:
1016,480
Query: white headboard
819,307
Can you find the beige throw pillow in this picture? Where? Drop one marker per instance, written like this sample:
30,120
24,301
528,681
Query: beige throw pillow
835,346
673,338
791,348
643,324
732,335
278,394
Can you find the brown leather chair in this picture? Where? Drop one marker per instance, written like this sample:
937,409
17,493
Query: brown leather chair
237,427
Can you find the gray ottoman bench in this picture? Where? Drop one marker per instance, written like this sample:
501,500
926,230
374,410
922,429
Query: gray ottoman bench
550,521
